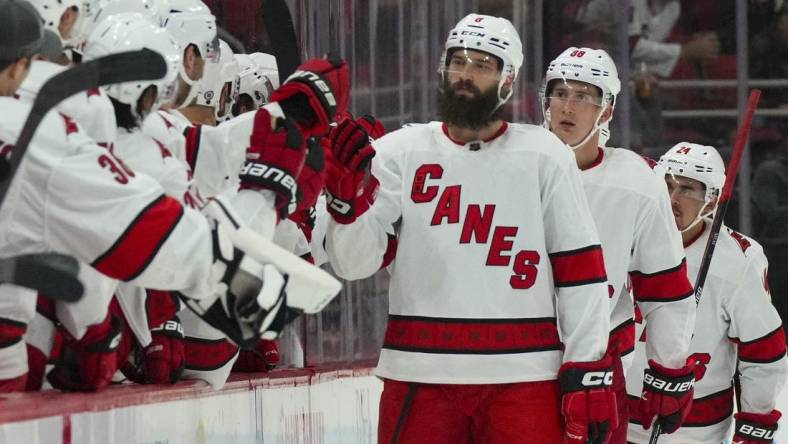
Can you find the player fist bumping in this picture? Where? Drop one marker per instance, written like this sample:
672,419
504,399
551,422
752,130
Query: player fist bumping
274,160
756,428
588,403
667,394
317,91
350,185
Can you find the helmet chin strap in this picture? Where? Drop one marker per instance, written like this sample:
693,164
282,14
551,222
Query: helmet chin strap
594,130
709,214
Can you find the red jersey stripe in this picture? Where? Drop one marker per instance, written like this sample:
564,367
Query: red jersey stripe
622,338
769,348
578,267
207,354
663,286
131,254
471,336
706,411
192,134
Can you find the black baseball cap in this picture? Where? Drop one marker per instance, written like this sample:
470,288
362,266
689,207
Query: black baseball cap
21,31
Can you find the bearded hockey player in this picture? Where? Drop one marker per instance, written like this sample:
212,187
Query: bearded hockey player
632,215
498,312
737,329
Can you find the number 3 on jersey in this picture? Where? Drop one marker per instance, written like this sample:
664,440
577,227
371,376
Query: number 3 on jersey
120,172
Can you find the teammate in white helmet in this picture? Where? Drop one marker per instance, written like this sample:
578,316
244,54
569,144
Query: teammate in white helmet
257,79
60,16
498,287
632,214
216,90
73,196
737,330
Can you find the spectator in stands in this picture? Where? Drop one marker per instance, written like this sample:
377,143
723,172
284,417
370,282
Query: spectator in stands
770,196
769,57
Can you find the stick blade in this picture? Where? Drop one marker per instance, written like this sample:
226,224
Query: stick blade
52,274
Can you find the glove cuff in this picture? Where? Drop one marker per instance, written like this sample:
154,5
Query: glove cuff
581,376
757,427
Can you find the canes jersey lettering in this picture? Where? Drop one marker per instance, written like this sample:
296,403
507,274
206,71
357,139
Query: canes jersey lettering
495,247
631,209
735,320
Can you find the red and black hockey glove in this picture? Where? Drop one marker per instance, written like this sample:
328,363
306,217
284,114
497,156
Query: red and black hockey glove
755,428
350,185
312,176
89,363
305,219
263,358
667,394
589,403
274,160
163,359
315,93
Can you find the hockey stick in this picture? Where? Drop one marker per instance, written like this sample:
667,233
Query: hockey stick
722,208
281,32
50,273
55,274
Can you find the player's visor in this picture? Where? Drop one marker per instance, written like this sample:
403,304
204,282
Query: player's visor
473,63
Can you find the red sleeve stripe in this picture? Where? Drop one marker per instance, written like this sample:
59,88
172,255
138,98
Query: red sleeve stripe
11,332
193,135
206,354
578,267
131,254
663,286
622,338
769,348
391,251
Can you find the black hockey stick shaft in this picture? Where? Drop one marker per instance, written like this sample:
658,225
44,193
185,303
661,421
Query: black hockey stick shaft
115,68
50,273
722,207
281,32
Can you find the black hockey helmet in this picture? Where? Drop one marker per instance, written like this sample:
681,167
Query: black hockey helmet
21,32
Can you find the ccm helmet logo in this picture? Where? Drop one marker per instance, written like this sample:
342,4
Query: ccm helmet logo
665,386
472,33
591,379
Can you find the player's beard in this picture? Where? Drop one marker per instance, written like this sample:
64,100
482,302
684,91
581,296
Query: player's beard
474,112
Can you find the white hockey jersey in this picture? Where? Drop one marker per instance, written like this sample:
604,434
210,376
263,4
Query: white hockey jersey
498,275
73,196
631,209
736,325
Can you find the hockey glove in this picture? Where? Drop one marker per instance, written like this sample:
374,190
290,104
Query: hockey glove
263,358
274,160
312,176
89,363
588,403
755,428
350,185
315,93
163,359
305,219
667,394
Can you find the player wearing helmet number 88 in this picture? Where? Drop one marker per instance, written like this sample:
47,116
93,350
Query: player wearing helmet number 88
643,255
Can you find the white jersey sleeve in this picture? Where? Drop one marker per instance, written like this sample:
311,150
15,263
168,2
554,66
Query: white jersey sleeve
756,329
658,274
73,196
